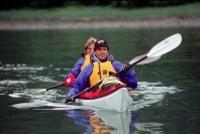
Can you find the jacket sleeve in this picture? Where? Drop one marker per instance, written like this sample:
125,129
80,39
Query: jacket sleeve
128,77
81,82
76,69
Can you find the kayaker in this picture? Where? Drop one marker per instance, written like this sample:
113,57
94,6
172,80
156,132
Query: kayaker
81,63
103,64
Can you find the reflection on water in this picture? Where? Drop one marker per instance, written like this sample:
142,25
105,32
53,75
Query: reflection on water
101,122
106,122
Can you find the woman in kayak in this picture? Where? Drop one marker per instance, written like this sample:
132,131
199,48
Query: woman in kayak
81,63
103,66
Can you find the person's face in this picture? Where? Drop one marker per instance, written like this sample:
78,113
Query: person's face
102,53
90,49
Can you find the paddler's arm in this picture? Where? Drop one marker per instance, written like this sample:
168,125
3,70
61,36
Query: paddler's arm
128,77
77,67
81,82
71,76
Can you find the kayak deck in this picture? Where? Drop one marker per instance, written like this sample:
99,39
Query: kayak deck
96,93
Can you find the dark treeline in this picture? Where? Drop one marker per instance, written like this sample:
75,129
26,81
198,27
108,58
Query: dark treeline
16,4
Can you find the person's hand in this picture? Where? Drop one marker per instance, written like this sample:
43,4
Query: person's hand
69,99
112,73
69,80
125,67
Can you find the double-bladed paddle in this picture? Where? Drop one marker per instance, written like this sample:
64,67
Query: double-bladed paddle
154,54
163,47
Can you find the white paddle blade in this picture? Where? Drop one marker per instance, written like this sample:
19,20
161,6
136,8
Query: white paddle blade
165,46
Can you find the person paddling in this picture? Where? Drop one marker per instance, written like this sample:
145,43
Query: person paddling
81,63
103,66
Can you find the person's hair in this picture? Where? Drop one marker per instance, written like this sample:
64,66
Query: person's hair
89,42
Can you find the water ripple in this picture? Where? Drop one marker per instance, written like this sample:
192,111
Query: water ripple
20,67
13,82
42,79
149,93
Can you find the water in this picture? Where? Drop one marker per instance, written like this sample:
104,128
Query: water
166,100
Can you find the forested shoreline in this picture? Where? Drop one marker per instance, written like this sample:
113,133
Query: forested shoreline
38,4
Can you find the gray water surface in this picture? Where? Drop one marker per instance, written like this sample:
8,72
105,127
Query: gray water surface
165,102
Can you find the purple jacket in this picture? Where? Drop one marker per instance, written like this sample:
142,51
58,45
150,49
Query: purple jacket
77,67
82,81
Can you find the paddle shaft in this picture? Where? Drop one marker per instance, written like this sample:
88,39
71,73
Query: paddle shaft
54,87
135,63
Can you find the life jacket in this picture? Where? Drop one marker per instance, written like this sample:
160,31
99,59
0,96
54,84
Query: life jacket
101,70
87,61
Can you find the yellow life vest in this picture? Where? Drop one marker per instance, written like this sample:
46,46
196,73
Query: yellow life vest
100,71
87,61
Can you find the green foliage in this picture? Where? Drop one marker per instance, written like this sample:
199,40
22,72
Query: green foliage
98,13
16,4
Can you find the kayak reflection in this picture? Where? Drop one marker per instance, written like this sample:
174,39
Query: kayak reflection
104,122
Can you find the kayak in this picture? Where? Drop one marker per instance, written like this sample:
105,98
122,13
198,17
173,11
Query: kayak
114,97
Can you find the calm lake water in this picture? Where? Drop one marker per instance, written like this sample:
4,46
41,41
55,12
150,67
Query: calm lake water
165,102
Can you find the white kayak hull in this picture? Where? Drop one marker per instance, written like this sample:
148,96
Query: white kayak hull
118,101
